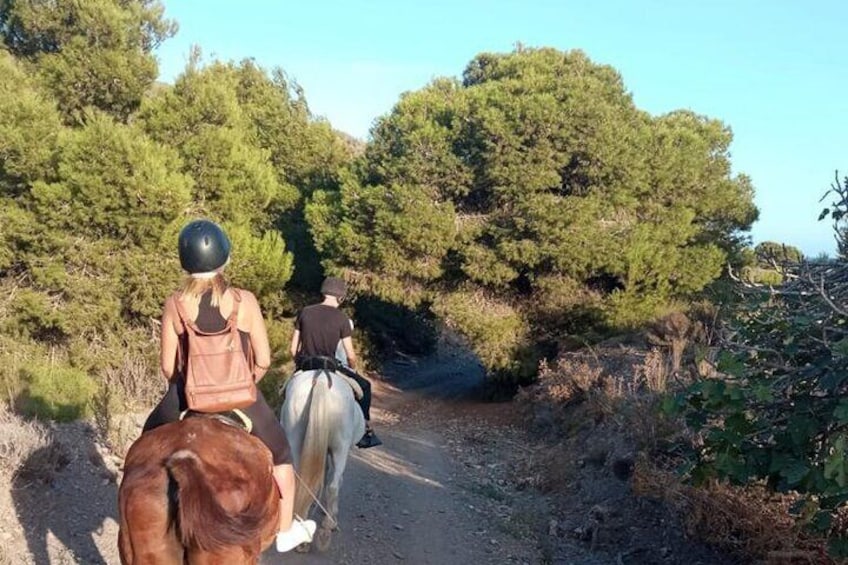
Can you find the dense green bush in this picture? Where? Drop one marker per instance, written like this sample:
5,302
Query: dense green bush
535,176
94,53
99,170
777,410
56,392
527,201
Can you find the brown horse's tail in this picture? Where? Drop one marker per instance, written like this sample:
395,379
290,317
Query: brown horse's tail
316,442
203,522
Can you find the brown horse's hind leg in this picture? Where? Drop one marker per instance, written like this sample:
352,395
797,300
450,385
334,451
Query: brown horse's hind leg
146,535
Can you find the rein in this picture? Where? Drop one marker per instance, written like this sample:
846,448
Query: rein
318,502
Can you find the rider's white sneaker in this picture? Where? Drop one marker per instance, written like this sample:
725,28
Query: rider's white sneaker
301,531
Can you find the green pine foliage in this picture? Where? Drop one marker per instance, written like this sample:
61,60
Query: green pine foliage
113,182
25,153
496,331
261,264
536,169
526,201
93,53
99,171
202,119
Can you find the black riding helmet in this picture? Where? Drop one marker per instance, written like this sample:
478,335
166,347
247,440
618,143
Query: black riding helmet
334,286
204,247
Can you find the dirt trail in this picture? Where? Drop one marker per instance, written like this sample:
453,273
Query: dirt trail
401,504
445,488
409,500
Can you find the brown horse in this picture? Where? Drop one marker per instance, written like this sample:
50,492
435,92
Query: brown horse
199,491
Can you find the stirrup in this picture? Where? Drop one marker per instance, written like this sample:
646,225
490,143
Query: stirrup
370,439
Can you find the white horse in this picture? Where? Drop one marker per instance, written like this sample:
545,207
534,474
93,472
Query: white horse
322,422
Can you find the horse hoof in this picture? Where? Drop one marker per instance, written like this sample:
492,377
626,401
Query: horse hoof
322,539
302,548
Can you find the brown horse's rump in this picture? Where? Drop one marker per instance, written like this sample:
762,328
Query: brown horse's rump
198,490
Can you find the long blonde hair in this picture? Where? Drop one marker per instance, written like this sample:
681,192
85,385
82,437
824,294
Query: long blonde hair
195,287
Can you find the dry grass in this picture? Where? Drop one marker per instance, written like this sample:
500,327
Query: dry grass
18,438
135,380
655,371
552,468
27,450
13,357
749,522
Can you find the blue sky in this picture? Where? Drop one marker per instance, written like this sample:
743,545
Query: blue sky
773,70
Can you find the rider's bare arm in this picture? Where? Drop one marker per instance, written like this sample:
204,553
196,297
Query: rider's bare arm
170,340
295,343
347,343
258,336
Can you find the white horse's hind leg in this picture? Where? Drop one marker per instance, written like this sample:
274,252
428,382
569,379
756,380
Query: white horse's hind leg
289,418
332,491
330,501
330,521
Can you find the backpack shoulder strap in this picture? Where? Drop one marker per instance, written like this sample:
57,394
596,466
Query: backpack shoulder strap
188,323
232,321
233,317
180,365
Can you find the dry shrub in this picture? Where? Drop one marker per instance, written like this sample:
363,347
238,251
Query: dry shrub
569,381
27,450
640,417
586,378
18,438
749,522
607,381
137,382
618,386
134,385
625,386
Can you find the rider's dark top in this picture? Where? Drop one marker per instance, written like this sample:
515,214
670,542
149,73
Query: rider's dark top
321,328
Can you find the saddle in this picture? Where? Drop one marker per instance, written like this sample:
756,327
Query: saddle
235,418
322,363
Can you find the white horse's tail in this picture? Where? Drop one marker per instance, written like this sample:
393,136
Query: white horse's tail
316,440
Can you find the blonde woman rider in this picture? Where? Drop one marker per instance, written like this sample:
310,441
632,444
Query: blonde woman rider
208,299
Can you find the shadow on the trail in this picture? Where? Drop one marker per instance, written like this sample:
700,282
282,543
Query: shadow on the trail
453,374
48,503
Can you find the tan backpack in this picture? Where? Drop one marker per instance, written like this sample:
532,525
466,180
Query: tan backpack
219,377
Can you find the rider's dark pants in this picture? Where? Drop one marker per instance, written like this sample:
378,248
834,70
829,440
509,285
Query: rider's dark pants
265,424
365,385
